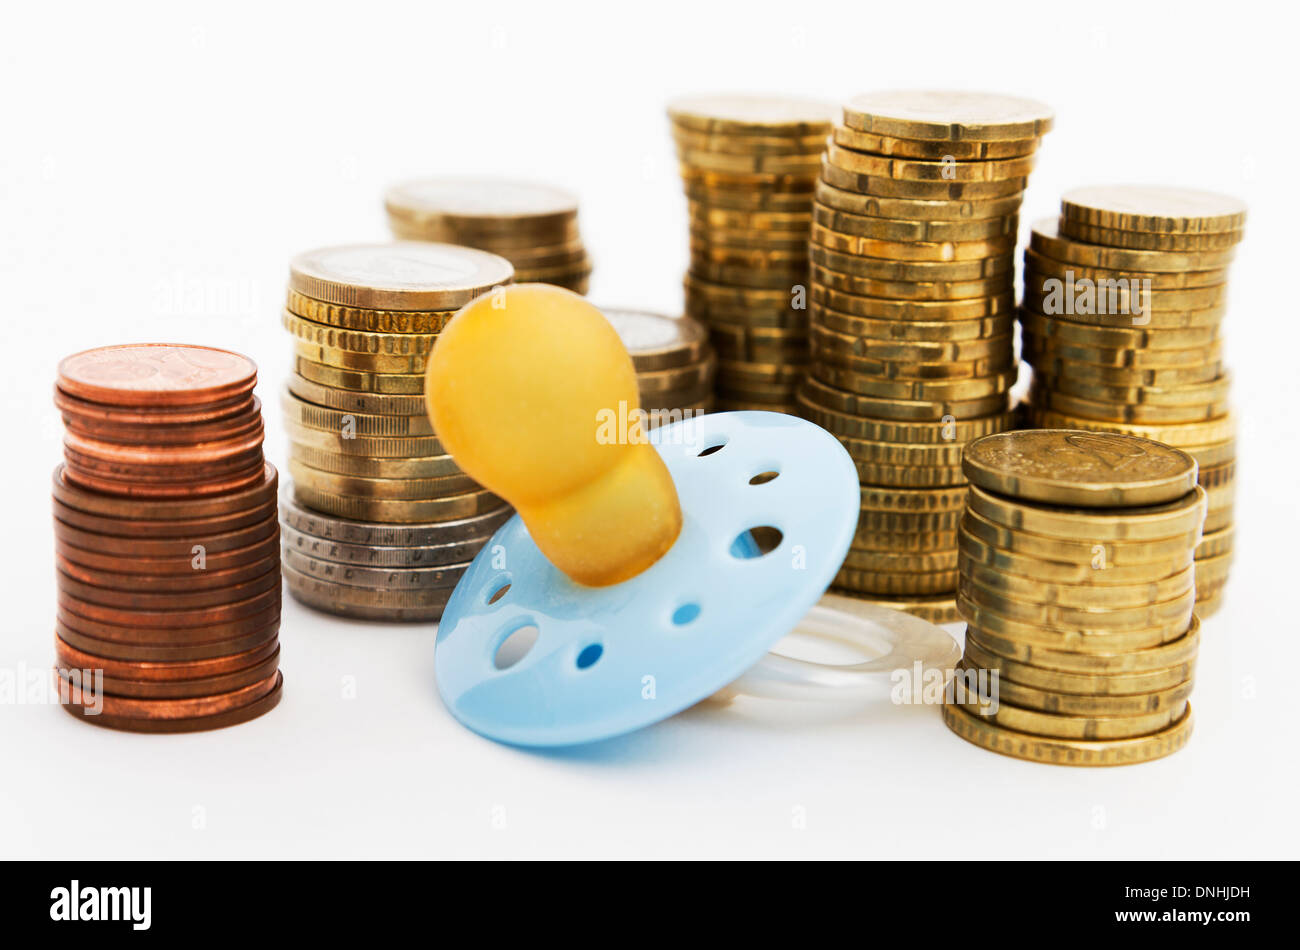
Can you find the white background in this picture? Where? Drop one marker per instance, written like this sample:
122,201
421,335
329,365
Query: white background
160,166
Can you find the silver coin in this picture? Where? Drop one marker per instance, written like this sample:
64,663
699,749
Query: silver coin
382,556
421,534
363,603
393,580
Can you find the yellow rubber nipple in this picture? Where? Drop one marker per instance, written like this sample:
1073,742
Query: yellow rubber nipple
522,388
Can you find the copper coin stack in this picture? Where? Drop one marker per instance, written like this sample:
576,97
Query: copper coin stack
673,360
748,165
377,504
533,226
1121,320
166,541
912,318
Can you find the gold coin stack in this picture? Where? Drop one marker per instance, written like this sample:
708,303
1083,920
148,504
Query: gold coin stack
748,165
363,456
1077,590
673,360
1124,299
912,318
533,226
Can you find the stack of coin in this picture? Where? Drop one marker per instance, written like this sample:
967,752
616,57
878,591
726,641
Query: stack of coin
673,360
362,450
912,318
166,541
1123,302
1077,589
533,226
748,165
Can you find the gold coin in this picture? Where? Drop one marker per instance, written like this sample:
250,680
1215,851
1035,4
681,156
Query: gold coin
334,483
1058,726
946,455
1216,568
941,208
903,584
949,417
568,255
327,460
933,149
1122,412
1150,319
779,222
395,384
658,342
1057,367
1192,394
923,311
748,144
805,164
1045,239
404,275
911,331
357,423
709,238
871,542
866,163
770,278
1044,570
979,731
917,390
749,114
760,373
368,321
908,522
904,230
1153,208
912,501
898,562
1210,478
1153,522
948,115
1182,649
765,181
829,351
911,289
732,197
459,203
1043,268
1100,617
851,343
714,314
1099,554
881,186
1209,456
556,274
1082,684
1141,240
1089,469
379,344
939,609
1024,696
1214,543
908,250
908,476
367,446
380,363
389,511
345,400
1142,358
1134,338
1218,430
675,379
1028,589
1134,302
1070,637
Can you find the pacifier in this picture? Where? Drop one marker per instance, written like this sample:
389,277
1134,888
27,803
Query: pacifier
646,569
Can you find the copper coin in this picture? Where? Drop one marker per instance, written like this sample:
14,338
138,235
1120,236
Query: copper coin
156,374
144,453
186,689
169,652
165,567
226,709
179,510
192,580
148,671
168,600
155,490
88,413
148,472
164,620
166,547
132,527
190,433
174,636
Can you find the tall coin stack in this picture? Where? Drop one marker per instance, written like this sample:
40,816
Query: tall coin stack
1124,298
382,521
748,164
673,360
166,541
1077,590
912,318
533,226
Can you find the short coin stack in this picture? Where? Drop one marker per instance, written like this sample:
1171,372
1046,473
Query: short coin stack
673,359
363,454
1123,303
748,165
912,318
166,541
1077,589
533,226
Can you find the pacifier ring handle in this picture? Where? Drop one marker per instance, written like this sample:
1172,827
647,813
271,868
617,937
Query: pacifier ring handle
896,641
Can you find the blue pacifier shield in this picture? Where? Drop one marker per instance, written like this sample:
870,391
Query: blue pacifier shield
608,660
